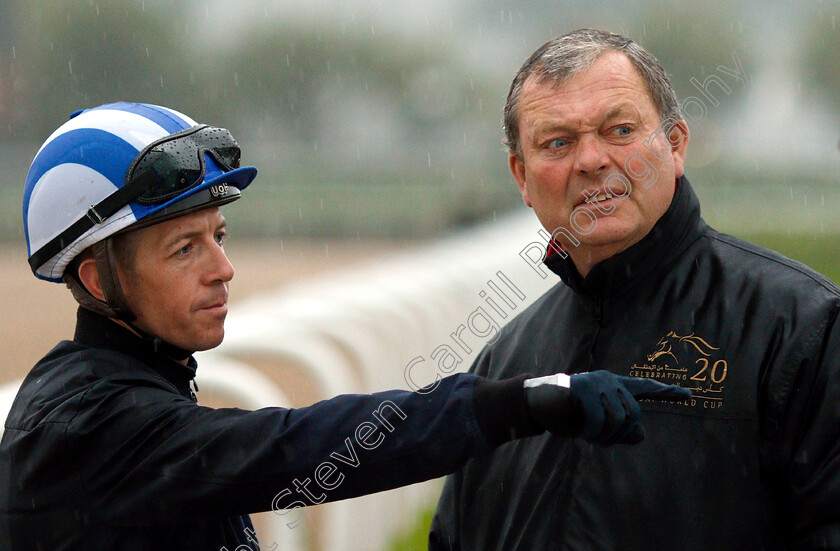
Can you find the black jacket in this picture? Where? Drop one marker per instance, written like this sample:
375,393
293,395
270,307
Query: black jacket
105,448
751,462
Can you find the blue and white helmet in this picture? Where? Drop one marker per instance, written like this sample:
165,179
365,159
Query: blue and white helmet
69,202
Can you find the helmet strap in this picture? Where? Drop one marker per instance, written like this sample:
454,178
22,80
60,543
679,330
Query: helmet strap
106,266
83,296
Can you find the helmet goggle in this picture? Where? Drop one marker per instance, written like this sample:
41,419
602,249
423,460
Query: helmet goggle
177,161
163,170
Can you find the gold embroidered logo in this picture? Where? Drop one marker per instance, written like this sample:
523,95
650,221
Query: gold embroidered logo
691,362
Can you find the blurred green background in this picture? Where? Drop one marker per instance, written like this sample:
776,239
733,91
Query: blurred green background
369,118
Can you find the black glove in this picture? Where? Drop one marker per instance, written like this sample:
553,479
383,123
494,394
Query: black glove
599,407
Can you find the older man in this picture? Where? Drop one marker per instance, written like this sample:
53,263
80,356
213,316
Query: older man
752,460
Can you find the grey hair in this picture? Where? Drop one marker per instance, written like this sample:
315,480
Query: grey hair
565,56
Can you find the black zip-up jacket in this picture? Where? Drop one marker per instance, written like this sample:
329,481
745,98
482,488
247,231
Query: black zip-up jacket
105,449
751,462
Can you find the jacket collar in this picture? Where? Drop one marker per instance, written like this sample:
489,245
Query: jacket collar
673,232
98,331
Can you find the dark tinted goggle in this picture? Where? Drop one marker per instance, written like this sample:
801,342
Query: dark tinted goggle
176,163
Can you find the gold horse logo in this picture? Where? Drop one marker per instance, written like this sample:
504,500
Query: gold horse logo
664,345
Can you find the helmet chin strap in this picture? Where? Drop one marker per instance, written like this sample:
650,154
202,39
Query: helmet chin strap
106,266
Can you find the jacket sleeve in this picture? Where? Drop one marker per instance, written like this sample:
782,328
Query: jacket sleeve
806,456
149,455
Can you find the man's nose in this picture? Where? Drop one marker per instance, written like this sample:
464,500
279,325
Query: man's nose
219,268
590,157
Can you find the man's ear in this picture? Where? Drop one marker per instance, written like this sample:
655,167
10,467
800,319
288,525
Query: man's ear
517,168
678,140
89,276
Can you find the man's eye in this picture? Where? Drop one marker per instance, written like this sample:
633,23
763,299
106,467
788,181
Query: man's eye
221,238
558,143
184,250
623,130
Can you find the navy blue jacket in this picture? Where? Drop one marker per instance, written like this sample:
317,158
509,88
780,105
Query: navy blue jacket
105,448
752,461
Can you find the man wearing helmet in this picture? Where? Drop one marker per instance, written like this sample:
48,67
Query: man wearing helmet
105,446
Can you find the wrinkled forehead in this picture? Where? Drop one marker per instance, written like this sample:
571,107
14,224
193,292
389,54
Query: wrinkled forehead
608,66
610,86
